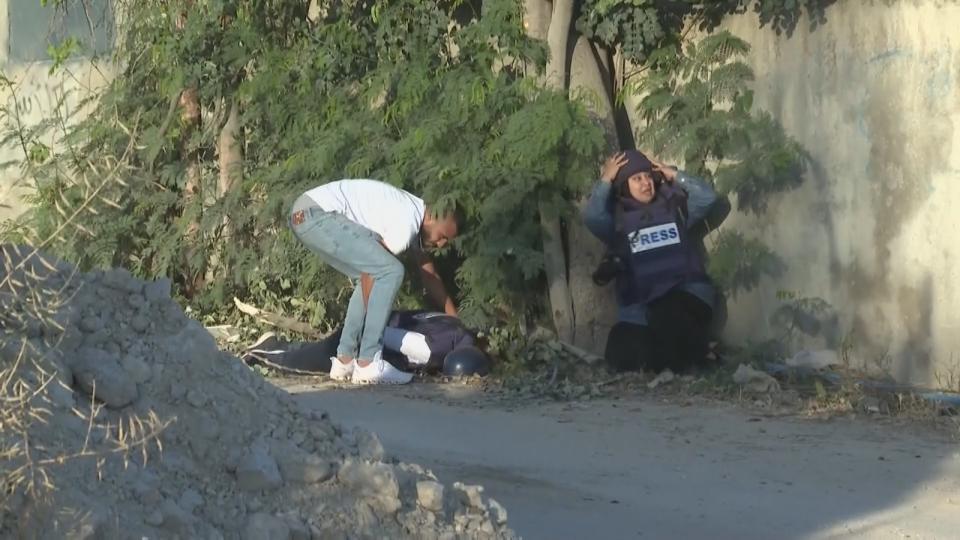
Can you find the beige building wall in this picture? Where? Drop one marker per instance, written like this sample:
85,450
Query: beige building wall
873,95
25,31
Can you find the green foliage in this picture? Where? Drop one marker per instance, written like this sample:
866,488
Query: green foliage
810,316
737,263
796,317
697,105
398,91
61,52
761,160
784,15
640,27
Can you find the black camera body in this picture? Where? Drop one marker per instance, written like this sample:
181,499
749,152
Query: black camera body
609,268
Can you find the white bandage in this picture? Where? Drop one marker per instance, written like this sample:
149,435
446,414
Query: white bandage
414,347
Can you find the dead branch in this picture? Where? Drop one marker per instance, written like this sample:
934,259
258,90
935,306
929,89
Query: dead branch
581,354
280,321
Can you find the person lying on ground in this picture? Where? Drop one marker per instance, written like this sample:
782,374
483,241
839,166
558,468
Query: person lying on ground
360,227
413,340
643,211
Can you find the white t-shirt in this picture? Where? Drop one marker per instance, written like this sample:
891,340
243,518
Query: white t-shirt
390,212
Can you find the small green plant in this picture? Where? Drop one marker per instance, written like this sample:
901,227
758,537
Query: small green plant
737,263
846,350
883,362
718,382
799,315
948,378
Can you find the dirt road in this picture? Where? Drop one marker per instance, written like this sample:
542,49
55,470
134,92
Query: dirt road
643,469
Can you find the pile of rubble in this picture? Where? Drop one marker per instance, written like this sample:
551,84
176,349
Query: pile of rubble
236,457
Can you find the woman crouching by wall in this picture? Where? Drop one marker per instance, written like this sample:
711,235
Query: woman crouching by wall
643,211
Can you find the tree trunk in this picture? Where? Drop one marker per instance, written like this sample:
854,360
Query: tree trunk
594,307
582,313
536,22
230,161
558,38
536,18
622,112
190,122
628,73
230,152
554,254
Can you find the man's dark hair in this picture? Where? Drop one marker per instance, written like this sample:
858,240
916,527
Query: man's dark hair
458,214
459,217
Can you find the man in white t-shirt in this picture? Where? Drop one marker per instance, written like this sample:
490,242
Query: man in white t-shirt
359,227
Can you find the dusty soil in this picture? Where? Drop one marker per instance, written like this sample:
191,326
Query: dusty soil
122,419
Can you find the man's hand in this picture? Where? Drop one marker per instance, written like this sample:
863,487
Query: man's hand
608,173
434,285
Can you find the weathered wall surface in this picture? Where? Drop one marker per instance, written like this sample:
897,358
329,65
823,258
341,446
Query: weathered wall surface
873,95
26,29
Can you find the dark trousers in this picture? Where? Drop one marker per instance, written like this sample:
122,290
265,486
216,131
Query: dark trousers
677,336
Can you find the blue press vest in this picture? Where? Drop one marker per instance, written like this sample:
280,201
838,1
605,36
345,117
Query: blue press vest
654,244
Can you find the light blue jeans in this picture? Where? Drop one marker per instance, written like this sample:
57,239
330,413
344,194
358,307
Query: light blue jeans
353,249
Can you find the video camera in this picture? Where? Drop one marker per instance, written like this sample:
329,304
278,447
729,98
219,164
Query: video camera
610,266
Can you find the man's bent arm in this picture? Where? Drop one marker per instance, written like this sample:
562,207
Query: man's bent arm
434,285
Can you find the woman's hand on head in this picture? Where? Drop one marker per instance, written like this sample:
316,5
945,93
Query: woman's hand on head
669,173
610,168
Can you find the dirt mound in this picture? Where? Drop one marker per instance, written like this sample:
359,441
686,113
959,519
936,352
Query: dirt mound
99,362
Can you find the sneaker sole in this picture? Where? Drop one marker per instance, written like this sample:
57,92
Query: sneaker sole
260,341
372,382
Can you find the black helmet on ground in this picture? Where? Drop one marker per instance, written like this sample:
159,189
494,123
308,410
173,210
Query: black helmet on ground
466,361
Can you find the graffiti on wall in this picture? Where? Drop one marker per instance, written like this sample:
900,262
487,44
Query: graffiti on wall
36,98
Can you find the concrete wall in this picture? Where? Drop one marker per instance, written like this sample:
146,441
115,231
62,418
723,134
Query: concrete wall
874,96
26,29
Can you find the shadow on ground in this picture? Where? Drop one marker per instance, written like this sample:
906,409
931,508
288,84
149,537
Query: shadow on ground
643,469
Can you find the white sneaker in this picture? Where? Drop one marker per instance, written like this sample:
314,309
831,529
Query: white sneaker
340,371
379,372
